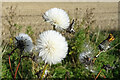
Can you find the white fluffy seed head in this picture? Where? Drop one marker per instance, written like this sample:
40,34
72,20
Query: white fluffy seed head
24,42
52,46
87,53
57,17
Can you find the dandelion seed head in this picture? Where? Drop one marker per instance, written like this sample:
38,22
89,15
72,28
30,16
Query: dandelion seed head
52,46
24,42
57,17
85,57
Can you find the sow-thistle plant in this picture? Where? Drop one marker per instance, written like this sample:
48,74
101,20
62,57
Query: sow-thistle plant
104,45
24,43
58,18
52,47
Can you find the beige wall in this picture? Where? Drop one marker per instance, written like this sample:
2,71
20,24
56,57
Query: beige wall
30,14
106,14
61,0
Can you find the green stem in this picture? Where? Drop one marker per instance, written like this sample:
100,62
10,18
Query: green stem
44,71
20,74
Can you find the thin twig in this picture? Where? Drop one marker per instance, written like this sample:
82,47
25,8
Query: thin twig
98,74
106,51
11,67
18,64
10,61
96,56
113,47
17,68
12,51
28,57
